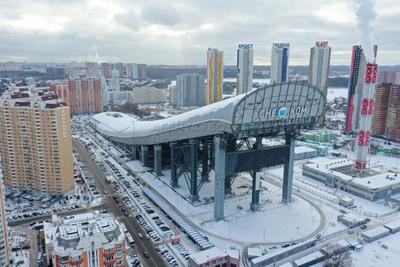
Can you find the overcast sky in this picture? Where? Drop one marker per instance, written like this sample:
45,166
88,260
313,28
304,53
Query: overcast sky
180,31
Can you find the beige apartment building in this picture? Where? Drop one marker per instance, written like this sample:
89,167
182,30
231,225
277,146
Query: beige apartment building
35,136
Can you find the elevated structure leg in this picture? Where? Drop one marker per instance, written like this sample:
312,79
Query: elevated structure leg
133,151
174,178
157,159
228,185
204,163
288,170
255,191
194,146
144,155
219,187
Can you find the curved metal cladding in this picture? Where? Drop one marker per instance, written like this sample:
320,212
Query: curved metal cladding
277,108
209,120
265,111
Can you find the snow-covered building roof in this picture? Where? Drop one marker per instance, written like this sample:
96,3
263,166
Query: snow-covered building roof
300,106
376,232
393,226
317,255
208,120
208,255
77,232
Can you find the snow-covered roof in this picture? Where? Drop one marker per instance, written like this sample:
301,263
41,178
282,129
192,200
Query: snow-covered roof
207,255
394,225
377,181
310,257
378,231
254,252
120,125
303,149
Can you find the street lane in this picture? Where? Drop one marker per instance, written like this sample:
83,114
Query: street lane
131,224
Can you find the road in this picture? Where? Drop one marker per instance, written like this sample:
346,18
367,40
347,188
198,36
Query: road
131,224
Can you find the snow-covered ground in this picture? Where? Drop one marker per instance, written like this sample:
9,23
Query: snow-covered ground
273,223
21,258
384,252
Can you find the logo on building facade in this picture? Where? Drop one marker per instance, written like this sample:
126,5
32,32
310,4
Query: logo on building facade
282,112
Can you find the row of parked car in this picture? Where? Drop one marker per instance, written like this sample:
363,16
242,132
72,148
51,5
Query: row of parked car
183,251
168,256
192,233
147,227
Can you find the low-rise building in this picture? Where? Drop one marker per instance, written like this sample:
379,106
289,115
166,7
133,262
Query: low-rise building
375,234
89,239
393,227
214,257
339,173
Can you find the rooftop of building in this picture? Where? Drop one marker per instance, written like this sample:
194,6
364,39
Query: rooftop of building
208,255
73,232
23,95
345,170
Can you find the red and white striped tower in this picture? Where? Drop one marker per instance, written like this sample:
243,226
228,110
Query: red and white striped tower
367,109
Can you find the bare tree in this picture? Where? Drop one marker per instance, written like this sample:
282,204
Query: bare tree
338,257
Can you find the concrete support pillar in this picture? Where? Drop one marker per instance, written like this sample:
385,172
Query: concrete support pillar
144,154
157,159
288,170
174,178
204,163
228,185
255,191
219,187
133,151
194,148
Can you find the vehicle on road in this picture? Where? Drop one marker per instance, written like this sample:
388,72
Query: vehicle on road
146,254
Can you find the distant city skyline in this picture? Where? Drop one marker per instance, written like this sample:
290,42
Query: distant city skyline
179,33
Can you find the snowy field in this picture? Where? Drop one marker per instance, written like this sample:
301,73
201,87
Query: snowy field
384,252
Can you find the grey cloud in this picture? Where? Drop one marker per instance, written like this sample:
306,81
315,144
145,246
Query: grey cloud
165,15
128,19
124,30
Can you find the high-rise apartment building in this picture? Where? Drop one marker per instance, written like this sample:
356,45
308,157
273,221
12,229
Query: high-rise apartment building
189,90
320,57
389,77
89,239
128,71
279,62
139,72
120,68
244,81
357,68
92,70
215,75
4,239
36,144
148,95
106,70
115,80
381,100
386,119
82,96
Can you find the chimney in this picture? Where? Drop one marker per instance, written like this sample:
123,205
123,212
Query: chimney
375,52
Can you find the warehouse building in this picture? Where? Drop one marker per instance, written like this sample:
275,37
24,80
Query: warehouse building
340,173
